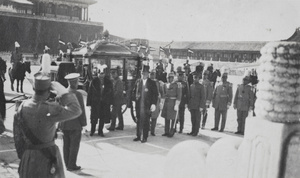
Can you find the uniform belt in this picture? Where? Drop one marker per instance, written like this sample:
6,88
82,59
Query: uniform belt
223,95
41,146
173,98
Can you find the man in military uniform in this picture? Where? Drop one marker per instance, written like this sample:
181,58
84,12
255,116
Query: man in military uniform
196,104
171,104
208,87
72,128
118,99
184,99
146,99
222,98
243,102
161,92
16,55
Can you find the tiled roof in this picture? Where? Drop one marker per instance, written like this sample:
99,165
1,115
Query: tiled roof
212,45
295,36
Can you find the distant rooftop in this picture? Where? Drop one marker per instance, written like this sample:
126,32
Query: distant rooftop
295,36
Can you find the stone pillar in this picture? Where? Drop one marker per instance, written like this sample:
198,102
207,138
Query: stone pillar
271,146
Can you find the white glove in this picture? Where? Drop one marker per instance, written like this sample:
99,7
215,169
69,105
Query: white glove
200,109
176,107
161,106
153,107
58,88
228,106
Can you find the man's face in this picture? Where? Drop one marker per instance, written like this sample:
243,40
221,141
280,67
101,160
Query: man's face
224,78
196,78
180,77
205,75
145,75
101,75
153,75
170,79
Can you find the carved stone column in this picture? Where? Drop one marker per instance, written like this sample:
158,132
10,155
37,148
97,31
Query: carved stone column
271,146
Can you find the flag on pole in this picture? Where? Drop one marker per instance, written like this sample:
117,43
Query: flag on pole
60,41
190,51
161,49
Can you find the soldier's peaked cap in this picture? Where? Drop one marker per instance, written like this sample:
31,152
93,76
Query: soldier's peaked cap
72,76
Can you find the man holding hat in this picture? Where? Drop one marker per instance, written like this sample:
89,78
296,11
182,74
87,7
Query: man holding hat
146,94
171,104
196,103
222,98
208,87
72,128
39,118
243,102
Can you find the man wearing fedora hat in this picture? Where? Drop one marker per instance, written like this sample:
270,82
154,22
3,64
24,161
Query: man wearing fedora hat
222,98
243,102
39,118
72,128
146,94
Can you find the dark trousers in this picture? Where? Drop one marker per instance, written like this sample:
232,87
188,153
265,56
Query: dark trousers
181,118
218,114
169,126
241,118
143,123
71,147
117,113
153,125
100,126
204,117
195,119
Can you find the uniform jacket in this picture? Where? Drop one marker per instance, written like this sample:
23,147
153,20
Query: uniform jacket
222,96
149,91
79,122
16,56
94,93
243,98
173,94
197,96
208,88
41,117
185,93
118,92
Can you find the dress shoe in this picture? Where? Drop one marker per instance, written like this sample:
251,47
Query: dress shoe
170,135
214,128
194,134
238,132
180,131
191,133
153,134
165,134
91,134
221,130
111,129
136,139
76,168
119,128
144,140
101,134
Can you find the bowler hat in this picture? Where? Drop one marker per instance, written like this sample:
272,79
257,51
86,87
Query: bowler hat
41,81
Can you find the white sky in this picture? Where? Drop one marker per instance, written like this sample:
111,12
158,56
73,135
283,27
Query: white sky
199,20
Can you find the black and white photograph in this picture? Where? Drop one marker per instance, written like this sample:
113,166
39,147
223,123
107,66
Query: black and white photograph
149,88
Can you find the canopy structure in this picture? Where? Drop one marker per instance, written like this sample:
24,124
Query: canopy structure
104,48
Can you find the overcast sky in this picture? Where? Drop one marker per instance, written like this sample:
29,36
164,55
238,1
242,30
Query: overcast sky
199,20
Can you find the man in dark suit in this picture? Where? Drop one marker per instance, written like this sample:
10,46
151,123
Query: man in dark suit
146,98
72,128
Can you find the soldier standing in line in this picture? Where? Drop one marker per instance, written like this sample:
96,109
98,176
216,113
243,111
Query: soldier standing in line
118,99
146,95
184,100
72,128
208,87
171,104
222,98
196,104
161,92
243,102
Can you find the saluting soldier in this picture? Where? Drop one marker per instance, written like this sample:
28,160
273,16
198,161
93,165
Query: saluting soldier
184,99
171,104
208,88
146,94
72,128
196,103
222,99
243,102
